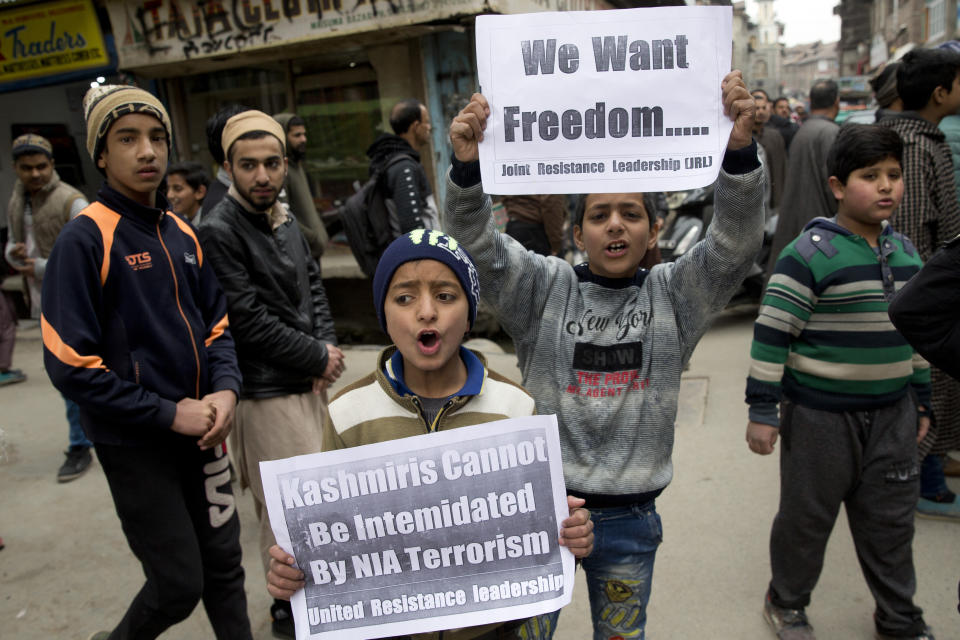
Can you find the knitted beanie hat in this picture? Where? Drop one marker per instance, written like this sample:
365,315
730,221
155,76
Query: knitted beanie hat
424,244
105,104
31,143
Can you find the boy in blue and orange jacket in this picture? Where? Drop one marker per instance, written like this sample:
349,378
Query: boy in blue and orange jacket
135,332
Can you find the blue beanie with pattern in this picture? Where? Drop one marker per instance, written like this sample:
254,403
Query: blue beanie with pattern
426,244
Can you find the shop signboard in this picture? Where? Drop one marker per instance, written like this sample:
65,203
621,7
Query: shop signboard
49,39
159,32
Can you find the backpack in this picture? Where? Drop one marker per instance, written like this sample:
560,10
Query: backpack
366,219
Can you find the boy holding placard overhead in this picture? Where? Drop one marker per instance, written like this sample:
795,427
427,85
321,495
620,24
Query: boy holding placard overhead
426,293
603,344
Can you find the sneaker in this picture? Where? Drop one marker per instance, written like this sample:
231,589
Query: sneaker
788,624
926,635
12,376
948,510
76,464
282,615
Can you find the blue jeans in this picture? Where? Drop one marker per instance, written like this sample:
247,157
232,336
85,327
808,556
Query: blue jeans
932,480
620,569
77,437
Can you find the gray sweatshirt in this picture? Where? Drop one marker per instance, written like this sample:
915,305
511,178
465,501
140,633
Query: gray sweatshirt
606,355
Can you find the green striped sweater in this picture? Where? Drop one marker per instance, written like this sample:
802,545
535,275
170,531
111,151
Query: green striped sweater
822,337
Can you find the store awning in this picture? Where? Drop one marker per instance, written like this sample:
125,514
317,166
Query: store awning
160,36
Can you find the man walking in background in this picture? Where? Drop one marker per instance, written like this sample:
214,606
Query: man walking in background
299,189
405,182
807,194
39,207
774,148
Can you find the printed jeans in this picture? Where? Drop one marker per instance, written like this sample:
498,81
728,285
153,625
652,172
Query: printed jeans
620,569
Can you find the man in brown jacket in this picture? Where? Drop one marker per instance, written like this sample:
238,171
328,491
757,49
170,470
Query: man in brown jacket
536,221
39,207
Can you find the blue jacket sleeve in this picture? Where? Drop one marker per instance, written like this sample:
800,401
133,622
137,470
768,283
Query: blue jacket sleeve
72,309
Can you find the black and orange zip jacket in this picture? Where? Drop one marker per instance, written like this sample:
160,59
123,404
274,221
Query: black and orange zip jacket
133,320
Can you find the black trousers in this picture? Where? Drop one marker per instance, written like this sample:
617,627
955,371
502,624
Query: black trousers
178,513
867,461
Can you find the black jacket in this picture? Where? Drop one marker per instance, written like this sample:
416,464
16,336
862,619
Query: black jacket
279,314
406,181
926,311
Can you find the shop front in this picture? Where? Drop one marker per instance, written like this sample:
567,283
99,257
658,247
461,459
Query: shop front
339,65
49,54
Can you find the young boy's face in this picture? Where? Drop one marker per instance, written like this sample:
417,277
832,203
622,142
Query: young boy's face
870,196
952,98
183,198
615,233
427,314
134,157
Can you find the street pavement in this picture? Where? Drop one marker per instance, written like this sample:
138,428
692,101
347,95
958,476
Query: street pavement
67,571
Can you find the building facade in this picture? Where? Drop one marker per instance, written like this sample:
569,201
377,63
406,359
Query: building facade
805,64
339,64
894,27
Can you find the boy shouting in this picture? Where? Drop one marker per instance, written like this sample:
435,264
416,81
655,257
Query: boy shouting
135,332
426,293
854,398
602,345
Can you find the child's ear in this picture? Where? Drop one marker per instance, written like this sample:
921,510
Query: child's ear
836,187
654,234
578,237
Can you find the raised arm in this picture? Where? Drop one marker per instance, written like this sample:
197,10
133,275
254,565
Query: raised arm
703,280
514,281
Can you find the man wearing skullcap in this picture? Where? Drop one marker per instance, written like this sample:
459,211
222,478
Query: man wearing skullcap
135,331
279,315
39,206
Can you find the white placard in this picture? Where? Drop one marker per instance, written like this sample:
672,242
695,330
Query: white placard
604,101
440,531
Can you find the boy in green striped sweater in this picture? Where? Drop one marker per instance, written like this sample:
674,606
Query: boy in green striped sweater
853,396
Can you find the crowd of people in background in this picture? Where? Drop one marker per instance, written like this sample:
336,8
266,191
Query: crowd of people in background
160,374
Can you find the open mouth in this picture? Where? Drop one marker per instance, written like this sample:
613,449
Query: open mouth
428,341
616,248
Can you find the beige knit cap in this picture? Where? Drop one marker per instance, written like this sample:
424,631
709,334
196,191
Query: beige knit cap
248,121
105,104
32,143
